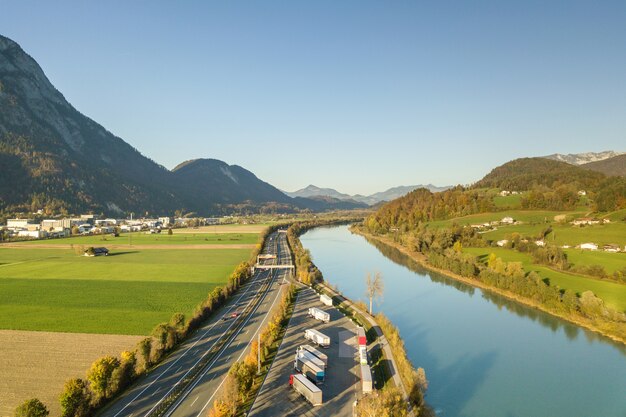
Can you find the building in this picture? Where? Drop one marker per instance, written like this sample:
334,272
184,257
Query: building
507,220
588,246
540,243
586,221
502,242
582,192
20,223
611,248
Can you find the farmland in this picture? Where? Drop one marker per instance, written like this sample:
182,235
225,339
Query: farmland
36,364
128,292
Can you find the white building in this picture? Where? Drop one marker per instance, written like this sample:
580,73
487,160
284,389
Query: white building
502,242
588,246
507,220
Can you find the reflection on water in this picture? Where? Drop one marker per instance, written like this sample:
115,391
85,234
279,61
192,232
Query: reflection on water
484,355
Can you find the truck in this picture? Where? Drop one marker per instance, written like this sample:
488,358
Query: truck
311,357
319,314
306,388
315,352
366,379
318,338
309,369
360,334
326,300
363,355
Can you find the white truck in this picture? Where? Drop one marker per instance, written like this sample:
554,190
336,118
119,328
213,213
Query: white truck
306,388
310,369
363,355
315,352
319,314
303,354
366,379
318,338
326,300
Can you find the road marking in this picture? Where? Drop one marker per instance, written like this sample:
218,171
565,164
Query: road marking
194,401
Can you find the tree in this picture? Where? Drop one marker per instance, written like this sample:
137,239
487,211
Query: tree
145,347
374,287
99,375
170,232
32,408
75,398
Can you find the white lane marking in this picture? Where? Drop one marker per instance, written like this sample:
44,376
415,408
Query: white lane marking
194,401
249,286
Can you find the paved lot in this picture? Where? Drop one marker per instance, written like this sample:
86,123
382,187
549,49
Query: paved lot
342,385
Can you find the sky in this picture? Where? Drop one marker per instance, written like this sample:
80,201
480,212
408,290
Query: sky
359,95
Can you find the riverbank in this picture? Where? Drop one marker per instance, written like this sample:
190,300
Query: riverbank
422,260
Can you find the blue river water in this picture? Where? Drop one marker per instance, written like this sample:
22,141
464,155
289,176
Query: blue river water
484,355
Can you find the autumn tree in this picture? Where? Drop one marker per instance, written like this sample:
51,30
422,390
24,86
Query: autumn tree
100,373
75,398
374,287
32,408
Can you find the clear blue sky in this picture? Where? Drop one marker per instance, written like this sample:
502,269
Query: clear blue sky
354,95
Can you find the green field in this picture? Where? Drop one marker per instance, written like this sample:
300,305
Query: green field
610,261
128,292
163,238
613,294
538,217
508,202
566,234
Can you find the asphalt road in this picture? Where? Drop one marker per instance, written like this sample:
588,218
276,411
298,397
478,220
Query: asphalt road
152,389
342,385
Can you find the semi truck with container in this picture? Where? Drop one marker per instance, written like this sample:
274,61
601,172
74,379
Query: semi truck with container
366,379
318,314
360,334
326,300
309,369
315,352
306,388
317,337
311,357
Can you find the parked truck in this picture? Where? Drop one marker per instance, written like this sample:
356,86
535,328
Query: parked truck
317,337
326,300
366,379
363,355
300,353
306,388
318,314
309,369
315,352
360,334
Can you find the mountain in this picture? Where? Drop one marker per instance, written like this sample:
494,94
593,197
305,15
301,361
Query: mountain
615,166
582,158
526,173
55,158
313,191
370,200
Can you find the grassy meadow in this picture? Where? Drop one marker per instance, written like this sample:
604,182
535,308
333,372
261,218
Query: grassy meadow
127,292
612,293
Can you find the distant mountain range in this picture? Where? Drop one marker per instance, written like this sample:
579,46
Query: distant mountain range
615,166
583,158
370,200
55,158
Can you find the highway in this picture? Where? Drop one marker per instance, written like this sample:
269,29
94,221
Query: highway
224,341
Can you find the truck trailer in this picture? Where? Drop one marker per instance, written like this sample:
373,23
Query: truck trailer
315,352
366,379
318,338
360,334
318,314
300,353
326,300
306,388
363,355
309,369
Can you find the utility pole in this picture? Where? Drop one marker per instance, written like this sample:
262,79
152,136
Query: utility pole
258,353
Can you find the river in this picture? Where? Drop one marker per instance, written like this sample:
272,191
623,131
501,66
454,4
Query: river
484,356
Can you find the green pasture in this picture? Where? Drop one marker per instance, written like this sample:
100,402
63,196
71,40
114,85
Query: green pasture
613,294
566,234
142,238
128,292
610,261
535,217
508,201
